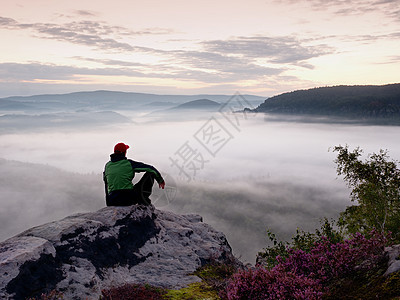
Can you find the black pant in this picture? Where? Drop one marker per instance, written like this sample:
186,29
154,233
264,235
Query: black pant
138,195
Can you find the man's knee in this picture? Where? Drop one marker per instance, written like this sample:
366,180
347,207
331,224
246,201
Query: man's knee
149,175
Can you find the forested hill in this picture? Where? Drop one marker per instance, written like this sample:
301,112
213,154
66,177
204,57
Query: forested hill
357,102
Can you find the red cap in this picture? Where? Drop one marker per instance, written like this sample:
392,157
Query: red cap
120,148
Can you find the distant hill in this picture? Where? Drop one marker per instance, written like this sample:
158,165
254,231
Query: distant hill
160,104
105,100
370,103
204,104
58,121
7,105
195,109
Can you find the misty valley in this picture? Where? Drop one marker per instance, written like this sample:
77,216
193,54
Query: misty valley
244,172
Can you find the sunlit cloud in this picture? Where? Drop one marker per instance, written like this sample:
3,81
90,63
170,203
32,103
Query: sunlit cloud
275,49
222,62
389,8
292,47
96,34
85,13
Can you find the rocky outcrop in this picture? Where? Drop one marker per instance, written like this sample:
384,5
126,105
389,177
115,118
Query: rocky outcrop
85,253
393,254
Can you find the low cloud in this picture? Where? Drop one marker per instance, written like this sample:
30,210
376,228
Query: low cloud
33,194
246,208
243,209
273,174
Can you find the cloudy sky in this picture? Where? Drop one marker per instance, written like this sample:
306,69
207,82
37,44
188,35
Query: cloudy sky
189,47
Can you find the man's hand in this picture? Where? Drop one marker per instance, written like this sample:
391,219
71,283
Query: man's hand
162,185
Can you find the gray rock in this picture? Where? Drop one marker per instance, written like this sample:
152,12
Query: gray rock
394,259
85,253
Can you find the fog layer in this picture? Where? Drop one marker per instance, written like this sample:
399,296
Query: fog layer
258,175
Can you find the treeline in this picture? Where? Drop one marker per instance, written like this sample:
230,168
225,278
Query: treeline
359,102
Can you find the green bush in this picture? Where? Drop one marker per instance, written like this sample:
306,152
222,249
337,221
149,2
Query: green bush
375,187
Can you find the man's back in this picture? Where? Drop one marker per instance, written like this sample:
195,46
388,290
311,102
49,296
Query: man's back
119,173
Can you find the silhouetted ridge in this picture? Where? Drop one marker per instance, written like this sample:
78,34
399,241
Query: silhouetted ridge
363,102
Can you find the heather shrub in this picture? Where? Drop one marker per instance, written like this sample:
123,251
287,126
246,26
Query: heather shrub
327,260
261,283
301,240
306,274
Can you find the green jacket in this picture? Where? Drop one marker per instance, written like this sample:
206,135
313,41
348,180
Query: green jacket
120,171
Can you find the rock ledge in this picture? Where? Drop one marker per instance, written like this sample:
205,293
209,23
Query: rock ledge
85,253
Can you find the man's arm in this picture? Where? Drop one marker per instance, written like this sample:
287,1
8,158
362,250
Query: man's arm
142,167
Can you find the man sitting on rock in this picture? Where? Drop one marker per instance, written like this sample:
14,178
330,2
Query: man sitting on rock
118,175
